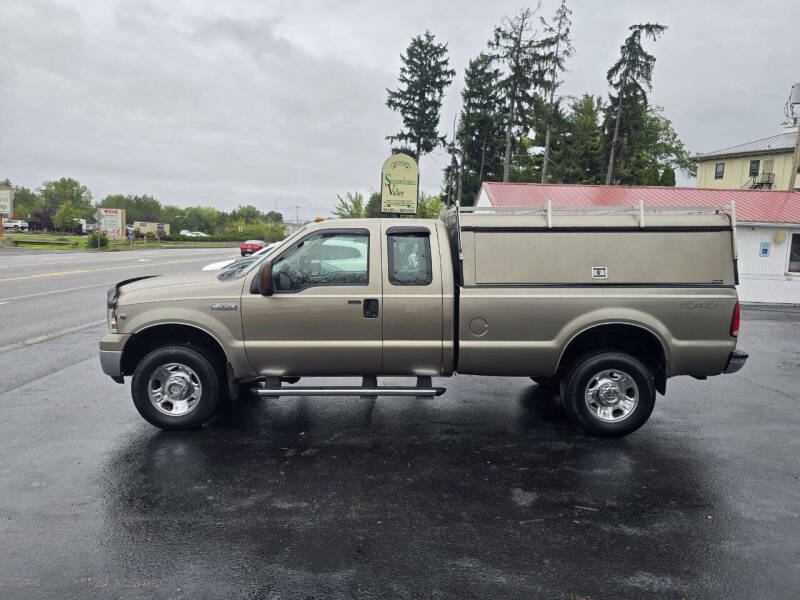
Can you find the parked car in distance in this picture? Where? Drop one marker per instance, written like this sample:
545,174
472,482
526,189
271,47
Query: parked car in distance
224,264
251,246
187,233
15,224
601,308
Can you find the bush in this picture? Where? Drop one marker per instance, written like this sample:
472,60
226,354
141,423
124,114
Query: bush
269,232
92,240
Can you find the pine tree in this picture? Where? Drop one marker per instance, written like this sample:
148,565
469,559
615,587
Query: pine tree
558,48
480,130
667,177
583,152
631,77
517,48
424,75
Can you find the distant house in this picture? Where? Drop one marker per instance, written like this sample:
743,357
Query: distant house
762,164
767,232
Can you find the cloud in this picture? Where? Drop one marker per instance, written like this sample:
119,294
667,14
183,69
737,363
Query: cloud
282,103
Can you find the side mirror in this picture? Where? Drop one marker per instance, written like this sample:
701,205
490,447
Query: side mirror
265,283
262,282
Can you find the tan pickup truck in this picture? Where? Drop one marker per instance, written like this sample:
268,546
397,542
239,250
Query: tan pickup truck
602,307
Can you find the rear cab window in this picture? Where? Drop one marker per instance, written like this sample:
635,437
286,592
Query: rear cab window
409,256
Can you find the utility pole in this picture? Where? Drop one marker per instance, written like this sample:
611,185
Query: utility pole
297,215
794,119
795,162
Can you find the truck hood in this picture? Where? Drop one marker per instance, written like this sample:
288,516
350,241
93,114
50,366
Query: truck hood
202,284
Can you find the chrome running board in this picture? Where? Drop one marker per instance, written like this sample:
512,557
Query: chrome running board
349,391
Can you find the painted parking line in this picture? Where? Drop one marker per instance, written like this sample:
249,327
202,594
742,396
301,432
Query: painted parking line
80,271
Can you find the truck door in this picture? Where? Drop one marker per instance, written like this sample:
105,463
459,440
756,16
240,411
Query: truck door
325,315
412,300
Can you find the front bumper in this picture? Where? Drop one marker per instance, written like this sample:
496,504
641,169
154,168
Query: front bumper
736,361
111,348
111,363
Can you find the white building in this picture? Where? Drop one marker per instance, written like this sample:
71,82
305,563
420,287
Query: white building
767,233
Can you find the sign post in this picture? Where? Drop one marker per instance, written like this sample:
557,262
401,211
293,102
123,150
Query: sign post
399,185
98,216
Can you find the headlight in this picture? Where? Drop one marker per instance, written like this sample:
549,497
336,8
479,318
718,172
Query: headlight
112,321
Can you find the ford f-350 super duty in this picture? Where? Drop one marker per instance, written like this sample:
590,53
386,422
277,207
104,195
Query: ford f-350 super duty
600,306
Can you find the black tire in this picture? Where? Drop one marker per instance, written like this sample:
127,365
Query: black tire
577,384
202,370
551,384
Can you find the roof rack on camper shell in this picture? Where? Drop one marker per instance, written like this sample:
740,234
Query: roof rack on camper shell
549,211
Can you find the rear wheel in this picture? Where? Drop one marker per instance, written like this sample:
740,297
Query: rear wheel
609,394
176,387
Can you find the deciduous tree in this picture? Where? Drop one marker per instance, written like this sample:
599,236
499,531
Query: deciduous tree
350,207
66,189
64,218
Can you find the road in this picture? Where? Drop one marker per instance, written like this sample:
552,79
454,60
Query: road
45,294
485,492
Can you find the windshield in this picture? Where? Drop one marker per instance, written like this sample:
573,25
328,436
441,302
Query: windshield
243,266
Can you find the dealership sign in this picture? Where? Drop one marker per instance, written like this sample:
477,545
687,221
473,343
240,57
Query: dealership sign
6,202
399,185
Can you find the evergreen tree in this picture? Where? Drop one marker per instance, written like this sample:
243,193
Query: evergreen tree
528,157
424,75
667,177
630,77
480,127
373,209
558,48
516,47
582,158
650,176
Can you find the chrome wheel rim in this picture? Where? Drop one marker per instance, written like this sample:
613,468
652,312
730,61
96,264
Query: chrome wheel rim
611,395
174,389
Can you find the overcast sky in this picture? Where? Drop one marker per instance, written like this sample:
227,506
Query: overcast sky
282,103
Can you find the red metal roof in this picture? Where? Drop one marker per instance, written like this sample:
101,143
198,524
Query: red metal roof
754,206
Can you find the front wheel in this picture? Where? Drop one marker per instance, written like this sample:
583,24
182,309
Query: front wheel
176,387
609,394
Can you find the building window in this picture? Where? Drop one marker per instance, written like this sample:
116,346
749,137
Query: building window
719,170
794,254
754,166
410,258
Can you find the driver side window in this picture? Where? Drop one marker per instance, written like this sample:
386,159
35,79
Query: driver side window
324,258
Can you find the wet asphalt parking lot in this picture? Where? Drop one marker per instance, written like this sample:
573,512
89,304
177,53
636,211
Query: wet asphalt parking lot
485,492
